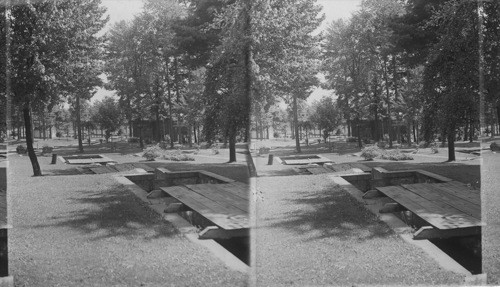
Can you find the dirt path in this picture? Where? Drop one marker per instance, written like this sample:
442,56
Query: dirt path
85,230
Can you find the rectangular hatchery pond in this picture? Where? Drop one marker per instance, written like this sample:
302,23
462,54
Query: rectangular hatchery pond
436,208
87,159
217,206
304,159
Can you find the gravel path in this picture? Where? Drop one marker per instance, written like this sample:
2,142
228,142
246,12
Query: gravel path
85,230
311,232
491,201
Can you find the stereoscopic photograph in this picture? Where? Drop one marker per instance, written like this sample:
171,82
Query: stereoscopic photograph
249,143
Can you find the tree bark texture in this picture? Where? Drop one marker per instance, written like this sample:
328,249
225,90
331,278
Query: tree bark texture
296,125
29,139
79,124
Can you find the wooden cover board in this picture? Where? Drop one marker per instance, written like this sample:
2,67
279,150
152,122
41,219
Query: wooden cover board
440,195
439,216
220,195
223,216
238,188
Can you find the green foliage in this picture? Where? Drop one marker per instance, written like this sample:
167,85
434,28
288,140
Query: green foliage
395,154
326,115
494,146
107,115
47,149
20,149
152,152
371,152
434,147
177,156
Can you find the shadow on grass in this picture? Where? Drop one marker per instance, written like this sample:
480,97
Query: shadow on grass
58,172
331,213
112,213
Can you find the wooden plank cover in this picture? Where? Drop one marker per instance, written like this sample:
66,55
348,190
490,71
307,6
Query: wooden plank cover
222,196
441,196
438,216
237,188
222,216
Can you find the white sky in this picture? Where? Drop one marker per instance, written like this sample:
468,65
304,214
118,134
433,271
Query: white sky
126,9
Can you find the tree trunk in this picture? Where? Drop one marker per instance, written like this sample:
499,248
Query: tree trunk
296,125
388,99
451,144
141,140
360,144
29,139
498,112
471,129
232,146
195,136
415,132
349,127
79,124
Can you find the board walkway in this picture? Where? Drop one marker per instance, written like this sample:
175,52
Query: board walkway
449,208
224,205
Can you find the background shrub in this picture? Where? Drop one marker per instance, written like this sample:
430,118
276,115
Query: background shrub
494,146
395,154
20,149
370,152
152,152
47,149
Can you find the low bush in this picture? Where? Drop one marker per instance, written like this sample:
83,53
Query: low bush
133,140
215,149
177,156
20,149
352,139
395,154
164,145
47,149
494,146
371,152
152,152
434,147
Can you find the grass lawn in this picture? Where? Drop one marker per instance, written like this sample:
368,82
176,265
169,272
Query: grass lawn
311,232
87,230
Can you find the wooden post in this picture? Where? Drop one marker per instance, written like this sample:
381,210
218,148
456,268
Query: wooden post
4,262
270,160
54,158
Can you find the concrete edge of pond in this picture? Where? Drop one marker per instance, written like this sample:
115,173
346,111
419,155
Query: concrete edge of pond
185,228
396,224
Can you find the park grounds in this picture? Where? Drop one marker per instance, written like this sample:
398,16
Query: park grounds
72,229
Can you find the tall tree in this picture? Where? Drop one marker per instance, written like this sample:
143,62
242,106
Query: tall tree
107,115
44,37
227,88
285,51
451,73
